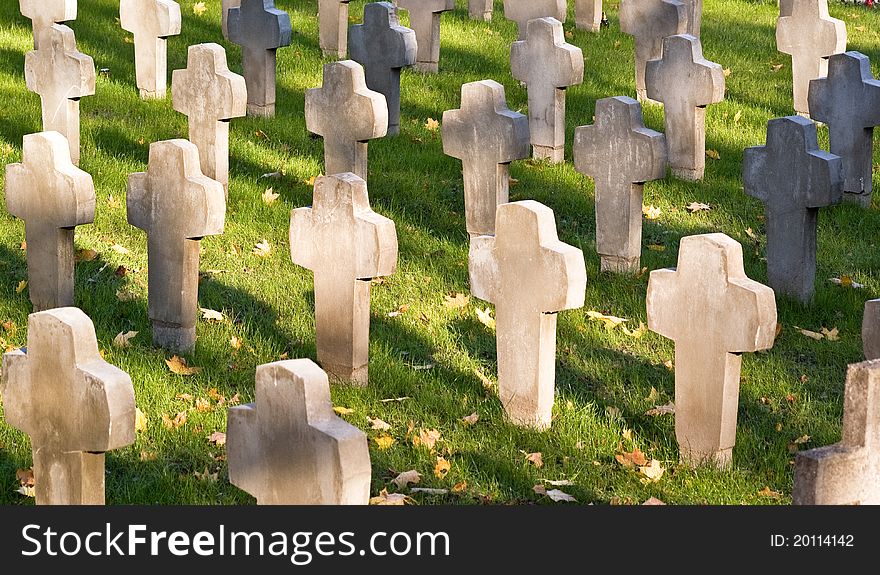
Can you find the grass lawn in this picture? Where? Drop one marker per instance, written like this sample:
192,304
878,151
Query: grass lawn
441,358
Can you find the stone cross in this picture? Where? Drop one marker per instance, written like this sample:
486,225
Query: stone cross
846,473
260,29
848,100
588,14
333,27
176,206
481,9
74,406
521,11
810,36
649,21
52,196
209,95
382,46
714,313
347,114
486,136
686,83
289,448
151,22
529,275
424,18
225,7
346,244
44,13
871,329
547,64
793,177
61,75
620,154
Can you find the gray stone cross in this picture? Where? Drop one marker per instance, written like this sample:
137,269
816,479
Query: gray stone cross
530,276
209,95
686,83
793,177
74,406
176,205
346,244
846,473
649,21
620,154
260,29
61,75
225,7
848,100
289,448
52,196
333,27
424,18
694,9
521,11
347,114
810,36
547,65
44,13
151,22
588,14
382,46
486,136
714,313
481,9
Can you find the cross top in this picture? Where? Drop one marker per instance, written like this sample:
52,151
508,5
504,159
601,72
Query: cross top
151,22
848,101
52,196
521,11
290,448
713,312
209,95
486,136
809,35
846,473
73,405
44,13
333,27
346,244
424,18
346,114
529,275
649,22
547,64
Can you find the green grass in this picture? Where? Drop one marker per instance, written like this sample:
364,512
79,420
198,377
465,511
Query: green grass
604,379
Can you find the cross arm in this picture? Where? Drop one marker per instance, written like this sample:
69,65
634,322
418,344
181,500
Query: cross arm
570,65
302,244
64,11
351,459
15,383
77,198
19,187
483,268
276,30
753,325
106,412
207,204
87,77
376,245
662,303
824,185
244,449
756,163
563,262
138,201
374,114
519,61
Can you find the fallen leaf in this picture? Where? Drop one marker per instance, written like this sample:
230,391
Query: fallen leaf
456,300
653,501
199,8
343,410
378,424
394,399
178,365
262,249
776,67
752,235
399,311
235,342
651,212
793,446
122,250
23,246
810,334
488,384
140,420
737,116
540,489
726,72
694,207
558,482
459,487
269,196
126,294
432,125
557,495
184,396
830,334
178,420
21,285
485,317
661,410
636,333
123,339
652,472
610,321
85,255
218,438
668,365
656,247
203,405
206,475
384,441
471,419
767,492
535,459
442,468
311,181
847,282
211,314
407,477
632,459
713,154
429,491
653,395
426,437
385,498
25,477
272,175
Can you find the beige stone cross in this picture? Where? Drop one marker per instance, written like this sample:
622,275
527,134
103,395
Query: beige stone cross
176,205
530,276
588,14
52,196
846,473
61,75
74,406
810,36
346,244
151,22
333,27
547,65
44,13
521,11
649,22
209,95
424,18
346,114
714,313
289,448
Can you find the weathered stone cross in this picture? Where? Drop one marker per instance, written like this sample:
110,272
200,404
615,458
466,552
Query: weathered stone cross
481,9
177,206
686,83
74,406
486,136
61,75
793,177
333,27
226,6
620,154
151,22
209,95
588,14
714,313
347,114
846,473
52,196
346,244
810,36
521,11
424,18
382,46
649,21
848,100
289,448
529,275
44,13
260,29
547,64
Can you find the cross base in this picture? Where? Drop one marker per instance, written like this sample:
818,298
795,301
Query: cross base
357,376
427,67
720,459
174,338
858,198
556,155
527,419
619,264
690,174
589,26
261,111
152,94
335,52
486,17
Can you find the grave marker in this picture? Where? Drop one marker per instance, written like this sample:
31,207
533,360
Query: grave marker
226,6
44,13
424,18
151,22
481,9
521,11
588,14
333,27
871,330
649,22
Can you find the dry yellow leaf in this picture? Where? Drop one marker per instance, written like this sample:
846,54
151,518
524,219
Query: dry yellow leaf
767,492
378,424
737,116
535,459
385,498
384,441
235,342
442,468
140,420
122,339
651,212
262,249
218,438
178,365
636,333
713,154
459,487
810,334
427,438
471,419
178,420
485,317
21,285
652,472
726,72
203,405
343,410
456,300
407,477
122,250
199,8
311,181
432,125
632,459
269,196
656,247
694,207
211,314
610,321
830,334
85,255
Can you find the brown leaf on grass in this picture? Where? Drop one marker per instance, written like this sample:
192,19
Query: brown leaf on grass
399,311
343,410
794,446
140,420
810,334
203,405
25,479
632,459
184,396
218,438
211,314
207,476
661,410
235,342
378,425
471,419
767,492
713,154
609,321
456,300
830,334
652,472
407,477
178,420
535,459
669,365
695,207
122,339
426,438
85,255
442,468
651,212
178,365
459,487
262,249
269,196
385,498
432,125
636,333
20,287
